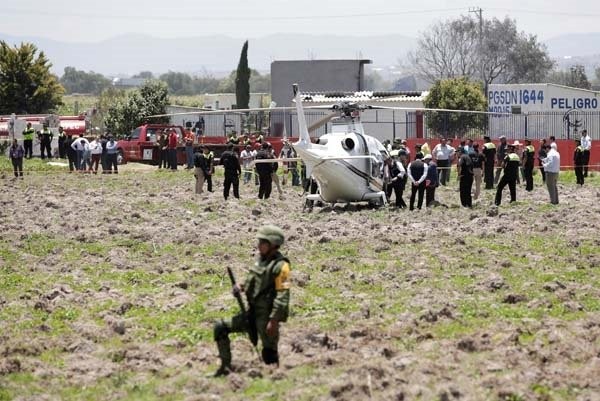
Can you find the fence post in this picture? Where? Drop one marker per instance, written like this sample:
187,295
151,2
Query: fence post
526,124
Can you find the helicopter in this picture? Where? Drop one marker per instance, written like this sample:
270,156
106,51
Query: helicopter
346,163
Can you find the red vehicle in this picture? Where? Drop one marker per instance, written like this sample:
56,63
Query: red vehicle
141,145
72,125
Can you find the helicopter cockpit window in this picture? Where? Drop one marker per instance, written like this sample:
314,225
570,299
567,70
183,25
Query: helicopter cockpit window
377,164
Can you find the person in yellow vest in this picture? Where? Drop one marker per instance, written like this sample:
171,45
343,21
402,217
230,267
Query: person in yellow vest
45,142
511,172
28,134
579,162
489,154
528,162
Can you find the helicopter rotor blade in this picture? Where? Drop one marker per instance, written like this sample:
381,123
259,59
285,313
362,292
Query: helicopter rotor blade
234,111
322,121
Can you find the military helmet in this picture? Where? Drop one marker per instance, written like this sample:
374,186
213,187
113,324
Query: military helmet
271,233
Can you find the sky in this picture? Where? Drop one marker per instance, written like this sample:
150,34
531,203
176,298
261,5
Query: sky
87,21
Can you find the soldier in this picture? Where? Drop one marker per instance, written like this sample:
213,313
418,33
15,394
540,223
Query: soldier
511,173
528,161
267,289
28,140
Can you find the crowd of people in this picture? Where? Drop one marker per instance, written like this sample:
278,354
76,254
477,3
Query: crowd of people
263,164
491,166
506,164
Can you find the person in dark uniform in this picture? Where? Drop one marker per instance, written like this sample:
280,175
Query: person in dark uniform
432,180
417,173
465,176
71,153
264,171
62,136
28,134
489,153
579,162
45,137
511,171
103,142
231,163
393,172
542,154
528,162
267,289
210,168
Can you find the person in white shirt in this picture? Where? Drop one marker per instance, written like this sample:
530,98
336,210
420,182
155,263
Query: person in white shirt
80,146
551,166
247,157
111,156
586,144
96,153
443,154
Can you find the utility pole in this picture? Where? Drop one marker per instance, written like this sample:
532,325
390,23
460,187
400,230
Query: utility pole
478,10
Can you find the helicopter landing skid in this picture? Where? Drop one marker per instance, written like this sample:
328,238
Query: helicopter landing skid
376,196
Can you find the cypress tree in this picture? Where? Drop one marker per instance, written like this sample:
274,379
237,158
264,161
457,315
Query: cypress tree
242,80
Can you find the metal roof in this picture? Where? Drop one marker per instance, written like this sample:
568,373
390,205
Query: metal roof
365,96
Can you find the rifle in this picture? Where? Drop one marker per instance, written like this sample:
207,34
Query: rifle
252,332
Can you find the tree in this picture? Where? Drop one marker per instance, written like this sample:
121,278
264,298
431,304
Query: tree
75,81
242,80
132,109
502,54
575,77
144,75
179,83
455,94
26,84
260,83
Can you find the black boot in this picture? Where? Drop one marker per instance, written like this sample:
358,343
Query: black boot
223,370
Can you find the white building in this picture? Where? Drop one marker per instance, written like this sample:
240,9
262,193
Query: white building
541,110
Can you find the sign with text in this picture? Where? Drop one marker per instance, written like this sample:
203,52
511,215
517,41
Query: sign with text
540,97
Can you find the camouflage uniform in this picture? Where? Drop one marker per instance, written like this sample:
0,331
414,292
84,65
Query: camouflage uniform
267,291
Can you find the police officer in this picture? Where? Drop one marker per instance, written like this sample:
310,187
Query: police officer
28,141
264,171
210,168
511,172
62,136
45,140
267,289
489,153
579,162
231,163
528,162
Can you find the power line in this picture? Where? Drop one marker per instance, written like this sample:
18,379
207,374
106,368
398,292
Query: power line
541,12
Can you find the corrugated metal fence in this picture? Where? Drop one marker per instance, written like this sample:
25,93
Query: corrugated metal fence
391,124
